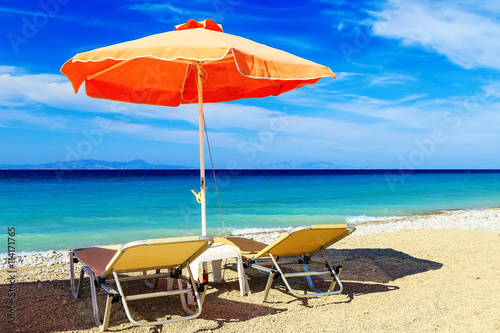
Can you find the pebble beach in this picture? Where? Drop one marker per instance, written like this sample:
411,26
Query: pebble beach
484,220
419,270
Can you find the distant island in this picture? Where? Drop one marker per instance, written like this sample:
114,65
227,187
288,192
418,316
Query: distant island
92,164
296,165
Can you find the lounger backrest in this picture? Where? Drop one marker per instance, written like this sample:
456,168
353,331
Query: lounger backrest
306,240
157,254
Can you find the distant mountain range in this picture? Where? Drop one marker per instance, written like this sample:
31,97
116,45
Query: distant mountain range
296,165
91,164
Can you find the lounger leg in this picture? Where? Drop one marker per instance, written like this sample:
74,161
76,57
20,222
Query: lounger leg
107,313
95,307
282,275
242,277
76,292
199,298
183,297
125,299
195,265
269,283
336,279
331,271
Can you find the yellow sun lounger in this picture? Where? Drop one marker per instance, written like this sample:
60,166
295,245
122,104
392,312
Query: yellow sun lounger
302,242
108,264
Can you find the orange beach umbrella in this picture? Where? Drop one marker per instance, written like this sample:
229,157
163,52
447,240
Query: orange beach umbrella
196,63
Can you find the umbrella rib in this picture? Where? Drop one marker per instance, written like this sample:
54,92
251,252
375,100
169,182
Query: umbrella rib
184,85
188,69
90,77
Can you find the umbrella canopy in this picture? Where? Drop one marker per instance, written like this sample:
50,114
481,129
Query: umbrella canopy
196,63
158,69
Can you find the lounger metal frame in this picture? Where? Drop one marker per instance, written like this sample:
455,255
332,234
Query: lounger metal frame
273,264
117,294
273,269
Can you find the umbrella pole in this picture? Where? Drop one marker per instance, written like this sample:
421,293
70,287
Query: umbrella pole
199,81
202,149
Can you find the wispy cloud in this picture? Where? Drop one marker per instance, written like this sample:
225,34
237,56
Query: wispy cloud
389,79
469,38
21,90
10,70
410,98
25,118
231,125
345,75
54,13
15,11
492,90
221,11
168,10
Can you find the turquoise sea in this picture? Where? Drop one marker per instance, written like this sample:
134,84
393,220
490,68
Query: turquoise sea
69,209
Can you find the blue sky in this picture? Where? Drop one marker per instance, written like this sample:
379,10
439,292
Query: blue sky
418,85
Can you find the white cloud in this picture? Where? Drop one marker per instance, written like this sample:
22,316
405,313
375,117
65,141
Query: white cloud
465,34
389,79
345,75
340,124
15,11
10,69
492,90
164,8
28,101
229,124
54,91
29,118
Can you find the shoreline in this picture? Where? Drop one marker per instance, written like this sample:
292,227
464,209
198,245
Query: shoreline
443,219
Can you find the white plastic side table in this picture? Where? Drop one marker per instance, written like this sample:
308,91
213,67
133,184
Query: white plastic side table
216,253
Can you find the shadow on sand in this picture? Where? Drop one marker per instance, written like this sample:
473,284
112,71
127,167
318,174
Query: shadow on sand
378,265
365,271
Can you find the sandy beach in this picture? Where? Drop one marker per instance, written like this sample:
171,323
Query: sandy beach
436,272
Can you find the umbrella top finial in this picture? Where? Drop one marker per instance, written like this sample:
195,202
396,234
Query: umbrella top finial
206,24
